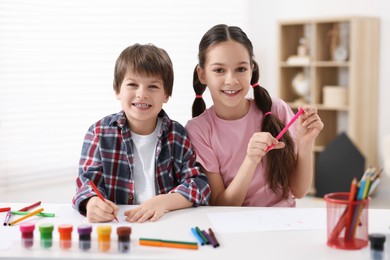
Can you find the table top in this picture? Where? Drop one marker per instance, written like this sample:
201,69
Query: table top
238,229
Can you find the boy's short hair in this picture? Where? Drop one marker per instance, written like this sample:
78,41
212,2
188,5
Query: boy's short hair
147,60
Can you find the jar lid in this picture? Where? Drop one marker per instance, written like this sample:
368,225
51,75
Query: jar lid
84,229
46,228
66,228
377,241
27,227
104,230
123,231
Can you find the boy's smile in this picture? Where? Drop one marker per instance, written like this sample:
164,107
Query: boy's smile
142,106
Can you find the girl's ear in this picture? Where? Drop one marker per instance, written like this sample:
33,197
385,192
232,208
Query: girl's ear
201,75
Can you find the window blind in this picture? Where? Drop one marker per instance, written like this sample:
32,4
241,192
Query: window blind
56,71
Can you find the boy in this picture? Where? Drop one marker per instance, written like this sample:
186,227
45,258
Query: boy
139,155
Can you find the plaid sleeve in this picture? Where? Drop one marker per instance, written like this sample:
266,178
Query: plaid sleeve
90,168
194,184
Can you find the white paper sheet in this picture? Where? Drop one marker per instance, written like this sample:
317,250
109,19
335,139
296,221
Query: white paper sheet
268,220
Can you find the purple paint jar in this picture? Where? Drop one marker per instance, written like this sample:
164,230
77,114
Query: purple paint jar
84,236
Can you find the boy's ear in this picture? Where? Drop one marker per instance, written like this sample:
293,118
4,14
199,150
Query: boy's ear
201,75
117,96
166,99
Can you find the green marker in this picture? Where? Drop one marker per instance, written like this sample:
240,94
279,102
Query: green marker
42,214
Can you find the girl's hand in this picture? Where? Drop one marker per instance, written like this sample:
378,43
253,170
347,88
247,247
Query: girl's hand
152,209
101,211
259,143
309,125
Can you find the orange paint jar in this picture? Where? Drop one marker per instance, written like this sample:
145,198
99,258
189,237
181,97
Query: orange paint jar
65,231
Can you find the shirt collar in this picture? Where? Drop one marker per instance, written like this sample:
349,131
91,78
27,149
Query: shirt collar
120,120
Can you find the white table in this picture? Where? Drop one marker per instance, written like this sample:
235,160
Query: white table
286,244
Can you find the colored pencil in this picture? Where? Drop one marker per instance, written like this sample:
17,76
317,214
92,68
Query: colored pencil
300,111
168,243
206,241
213,237
42,214
209,238
195,233
363,193
350,207
362,187
95,189
338,227
33,213
5,209
36,204
7,217
374,185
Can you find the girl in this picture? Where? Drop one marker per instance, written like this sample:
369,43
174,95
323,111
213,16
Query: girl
232,136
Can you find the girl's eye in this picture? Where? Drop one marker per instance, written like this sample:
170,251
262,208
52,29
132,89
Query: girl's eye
218,70
242,69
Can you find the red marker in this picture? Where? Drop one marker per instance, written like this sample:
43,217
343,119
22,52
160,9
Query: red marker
36,204
5,209
99,194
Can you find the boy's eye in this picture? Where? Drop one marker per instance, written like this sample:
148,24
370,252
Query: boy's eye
131,84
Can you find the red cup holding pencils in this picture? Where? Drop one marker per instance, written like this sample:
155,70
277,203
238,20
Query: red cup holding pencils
347,221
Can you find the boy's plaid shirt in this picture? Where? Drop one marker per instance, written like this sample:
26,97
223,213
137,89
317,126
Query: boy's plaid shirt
107,159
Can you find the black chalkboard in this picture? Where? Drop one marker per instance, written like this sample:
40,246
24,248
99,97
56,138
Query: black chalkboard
337,165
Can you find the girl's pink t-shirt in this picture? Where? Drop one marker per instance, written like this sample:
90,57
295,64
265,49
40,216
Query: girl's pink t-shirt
221,147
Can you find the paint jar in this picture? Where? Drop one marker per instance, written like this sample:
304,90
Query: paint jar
46,231
84,236
377,246
123,239
27,230
65,231
104,240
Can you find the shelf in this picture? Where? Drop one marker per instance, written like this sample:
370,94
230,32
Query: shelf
319,106
330,63
334,55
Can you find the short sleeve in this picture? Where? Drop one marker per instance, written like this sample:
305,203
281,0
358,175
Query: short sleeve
200,139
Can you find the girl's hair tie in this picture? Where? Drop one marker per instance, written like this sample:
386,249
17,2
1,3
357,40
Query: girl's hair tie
255,85
198,96
268,113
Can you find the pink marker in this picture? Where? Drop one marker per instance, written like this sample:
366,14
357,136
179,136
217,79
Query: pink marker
300,111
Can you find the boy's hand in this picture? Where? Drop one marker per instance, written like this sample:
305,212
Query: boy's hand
152,209
100,211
